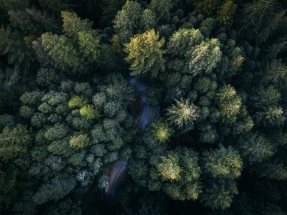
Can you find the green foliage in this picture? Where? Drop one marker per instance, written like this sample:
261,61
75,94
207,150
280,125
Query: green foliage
79,46
271,169
127,19
154,95
255,147
148,19
223,162
225,13
38,120
58,131
145,53
161,131
275,72
254,16
202,85
219,193
183,113
25,111
183,40
79,140
89,112
73,25
45,108
77,101
61,50
161,9
109,10
270,116
222,10
89,46
179,173
46,77
32,98
55,6
204,56
13,45
14,142
265,97
8,181
244,123
229,104
6,120
55,189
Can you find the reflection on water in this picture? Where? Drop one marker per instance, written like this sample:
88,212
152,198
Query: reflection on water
149,112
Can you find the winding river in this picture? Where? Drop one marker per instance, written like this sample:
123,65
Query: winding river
119,168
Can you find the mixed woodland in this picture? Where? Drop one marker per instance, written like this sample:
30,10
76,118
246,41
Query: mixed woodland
216,70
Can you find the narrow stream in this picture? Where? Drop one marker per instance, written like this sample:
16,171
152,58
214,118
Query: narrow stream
119,169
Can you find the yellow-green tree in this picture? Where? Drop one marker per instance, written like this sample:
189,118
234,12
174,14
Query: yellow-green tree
77,48
223,163
90,112
79,140
177,172
14,142
229,104
222,10
204,57
183,113
161,131
145,54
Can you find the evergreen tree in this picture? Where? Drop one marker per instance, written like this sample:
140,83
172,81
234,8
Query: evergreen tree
229,104
145,53
161,9
14,142
223,163
183,113
127,20
161,131
255,147
219,193
203,57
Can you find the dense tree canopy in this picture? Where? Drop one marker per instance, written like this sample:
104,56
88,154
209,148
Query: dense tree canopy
143,107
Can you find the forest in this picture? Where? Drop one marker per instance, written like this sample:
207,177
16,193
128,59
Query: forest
143,107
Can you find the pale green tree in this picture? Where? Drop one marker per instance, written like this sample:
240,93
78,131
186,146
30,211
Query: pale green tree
161,131
127,20
183,113
61,50
275,72
270,116
229,103
90,112
145,54
72,25
265,96
79,140
77,101
204,57
177,173
254,147
223,162
89,46
14,142
183,40
148,19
